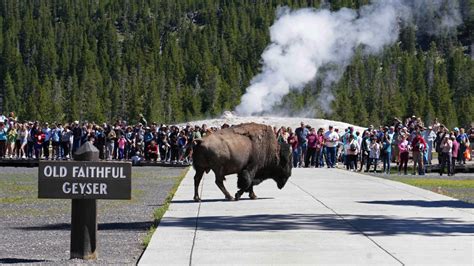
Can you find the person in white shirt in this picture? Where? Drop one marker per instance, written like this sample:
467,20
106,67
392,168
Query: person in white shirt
374,153
429,135
3,119
331,140
446,153
351,149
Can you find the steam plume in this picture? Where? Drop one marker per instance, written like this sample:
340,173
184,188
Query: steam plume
302,41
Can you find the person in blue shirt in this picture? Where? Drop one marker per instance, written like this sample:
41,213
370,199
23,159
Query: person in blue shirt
3,139
463,141
386,153
47,138
147,138
56,132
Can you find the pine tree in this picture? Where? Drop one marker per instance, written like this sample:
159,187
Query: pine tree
444,106
57,101
154,110
407,85
10,98
131,55
93,111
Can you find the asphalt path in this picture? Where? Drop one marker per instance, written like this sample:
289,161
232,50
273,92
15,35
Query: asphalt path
322,216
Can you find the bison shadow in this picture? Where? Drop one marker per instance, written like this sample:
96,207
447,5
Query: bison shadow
217,200
19,260
425,203
371,225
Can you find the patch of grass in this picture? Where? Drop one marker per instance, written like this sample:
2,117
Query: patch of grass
432,182
17,190
462,189
140,175
17,185
158,213
11,200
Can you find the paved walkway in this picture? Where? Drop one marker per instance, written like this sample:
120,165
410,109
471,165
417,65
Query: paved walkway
321,217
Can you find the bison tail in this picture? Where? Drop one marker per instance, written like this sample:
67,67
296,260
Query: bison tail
244,180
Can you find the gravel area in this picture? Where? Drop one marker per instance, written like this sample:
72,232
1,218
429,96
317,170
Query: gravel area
36,230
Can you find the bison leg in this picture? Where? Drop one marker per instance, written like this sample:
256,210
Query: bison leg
239,194
244,182
251,193
197,181
220,185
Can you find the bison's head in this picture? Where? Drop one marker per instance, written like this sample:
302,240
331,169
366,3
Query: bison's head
285,165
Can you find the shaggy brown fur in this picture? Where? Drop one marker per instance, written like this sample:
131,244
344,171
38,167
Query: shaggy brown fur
246,149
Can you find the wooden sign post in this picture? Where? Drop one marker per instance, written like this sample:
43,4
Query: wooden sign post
84,181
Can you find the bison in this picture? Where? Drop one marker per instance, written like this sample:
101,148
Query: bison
249,150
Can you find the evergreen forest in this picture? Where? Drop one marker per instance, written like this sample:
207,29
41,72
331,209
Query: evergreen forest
179,60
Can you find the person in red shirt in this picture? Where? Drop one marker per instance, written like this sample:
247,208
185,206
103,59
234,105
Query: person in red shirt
418,147
310,158
153,151
293,141
39,139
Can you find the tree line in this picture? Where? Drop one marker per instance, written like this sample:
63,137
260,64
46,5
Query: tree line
65,60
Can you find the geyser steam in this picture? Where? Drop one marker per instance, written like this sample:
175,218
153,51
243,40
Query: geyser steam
302,41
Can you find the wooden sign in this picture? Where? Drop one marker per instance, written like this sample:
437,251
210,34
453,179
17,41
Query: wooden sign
84,180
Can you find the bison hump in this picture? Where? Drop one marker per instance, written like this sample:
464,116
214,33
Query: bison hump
256,132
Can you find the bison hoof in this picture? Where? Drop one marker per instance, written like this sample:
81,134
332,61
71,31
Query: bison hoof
230,198
197,199
237,196
253,196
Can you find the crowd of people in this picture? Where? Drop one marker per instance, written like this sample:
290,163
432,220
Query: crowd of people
117,141
363,151
355,150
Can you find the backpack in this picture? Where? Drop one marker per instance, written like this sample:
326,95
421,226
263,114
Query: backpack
384,148
353,147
